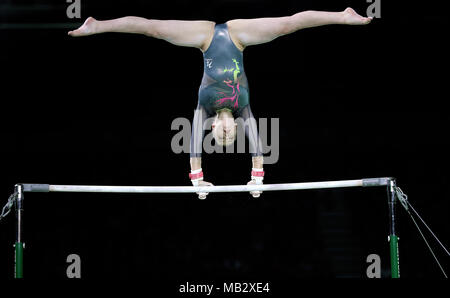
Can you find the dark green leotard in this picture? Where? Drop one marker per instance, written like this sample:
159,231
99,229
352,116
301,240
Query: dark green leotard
224,85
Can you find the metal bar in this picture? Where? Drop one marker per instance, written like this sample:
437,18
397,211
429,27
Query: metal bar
191,189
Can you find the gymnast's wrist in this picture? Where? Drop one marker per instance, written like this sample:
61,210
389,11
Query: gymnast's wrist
196,176
258,161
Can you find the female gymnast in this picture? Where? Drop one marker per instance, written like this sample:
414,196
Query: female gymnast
223,92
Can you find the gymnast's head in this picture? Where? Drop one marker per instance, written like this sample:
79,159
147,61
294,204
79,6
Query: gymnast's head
224,128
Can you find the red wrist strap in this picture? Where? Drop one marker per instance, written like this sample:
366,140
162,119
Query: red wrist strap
258,173
196,176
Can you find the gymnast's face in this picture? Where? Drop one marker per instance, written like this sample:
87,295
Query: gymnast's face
224,130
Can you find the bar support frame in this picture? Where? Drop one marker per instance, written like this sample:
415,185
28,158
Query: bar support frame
367,182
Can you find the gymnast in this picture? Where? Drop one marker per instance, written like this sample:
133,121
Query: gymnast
224,92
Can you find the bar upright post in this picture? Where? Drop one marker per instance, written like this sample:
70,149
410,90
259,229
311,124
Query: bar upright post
393,238
19,245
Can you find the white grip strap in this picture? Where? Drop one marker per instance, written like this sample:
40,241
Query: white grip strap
258,175
196,176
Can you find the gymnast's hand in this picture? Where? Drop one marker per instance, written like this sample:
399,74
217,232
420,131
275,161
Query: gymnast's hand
257,193
257,174
202,195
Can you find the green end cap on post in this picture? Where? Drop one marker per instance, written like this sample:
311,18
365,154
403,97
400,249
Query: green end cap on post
395,268
18,272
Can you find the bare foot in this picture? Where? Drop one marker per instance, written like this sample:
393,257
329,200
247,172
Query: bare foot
88,28
352,18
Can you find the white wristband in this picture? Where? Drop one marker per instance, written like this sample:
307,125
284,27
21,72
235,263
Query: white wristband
196,171
258,179
195,182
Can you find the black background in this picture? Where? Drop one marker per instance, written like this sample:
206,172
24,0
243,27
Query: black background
353,102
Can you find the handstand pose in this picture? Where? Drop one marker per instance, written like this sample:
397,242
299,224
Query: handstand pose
224,91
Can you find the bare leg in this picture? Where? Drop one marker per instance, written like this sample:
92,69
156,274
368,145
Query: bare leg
312,18
256,31
182,33
124,25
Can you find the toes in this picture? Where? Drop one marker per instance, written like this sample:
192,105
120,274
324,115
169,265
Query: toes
74,32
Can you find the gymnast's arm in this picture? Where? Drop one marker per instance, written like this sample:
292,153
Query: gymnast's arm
196,34
197,135
255,145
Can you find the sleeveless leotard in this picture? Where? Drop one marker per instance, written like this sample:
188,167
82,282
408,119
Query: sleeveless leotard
224,86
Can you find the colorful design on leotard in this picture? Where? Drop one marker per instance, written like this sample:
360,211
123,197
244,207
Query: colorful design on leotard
236,70
233,85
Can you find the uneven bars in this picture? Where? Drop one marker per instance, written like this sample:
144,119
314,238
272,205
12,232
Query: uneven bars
368,182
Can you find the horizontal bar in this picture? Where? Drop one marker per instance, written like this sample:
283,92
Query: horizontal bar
191,189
